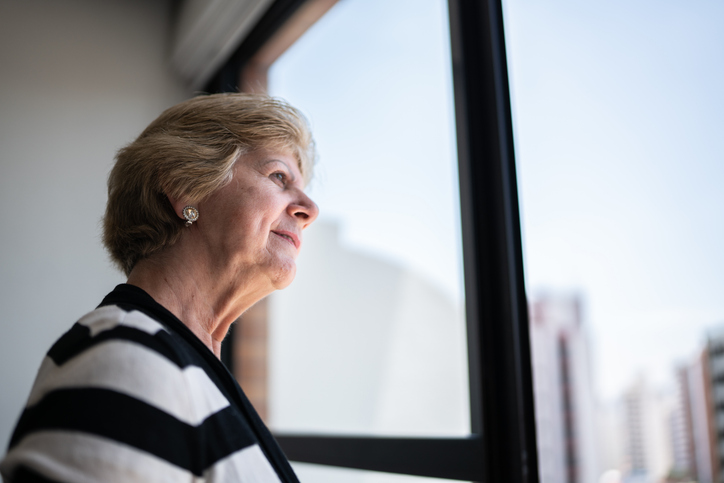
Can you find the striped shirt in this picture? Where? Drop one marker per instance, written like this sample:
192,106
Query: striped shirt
130,394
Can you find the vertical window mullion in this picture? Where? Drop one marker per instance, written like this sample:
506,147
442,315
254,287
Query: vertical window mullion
500,369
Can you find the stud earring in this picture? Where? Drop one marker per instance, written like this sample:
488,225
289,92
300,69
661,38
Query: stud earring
191,214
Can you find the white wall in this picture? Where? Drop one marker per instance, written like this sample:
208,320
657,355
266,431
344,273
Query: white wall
80,78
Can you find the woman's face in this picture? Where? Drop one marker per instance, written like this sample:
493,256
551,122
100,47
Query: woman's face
254,224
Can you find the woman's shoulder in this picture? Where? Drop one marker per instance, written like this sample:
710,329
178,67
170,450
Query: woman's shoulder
113,331
118,388
127,353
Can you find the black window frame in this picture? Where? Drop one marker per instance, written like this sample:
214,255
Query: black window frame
502,446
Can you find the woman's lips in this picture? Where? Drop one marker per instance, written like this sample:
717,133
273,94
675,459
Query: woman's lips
288,236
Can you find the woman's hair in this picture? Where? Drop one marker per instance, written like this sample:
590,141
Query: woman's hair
189,152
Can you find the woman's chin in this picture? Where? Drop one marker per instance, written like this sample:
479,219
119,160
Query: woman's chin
284,276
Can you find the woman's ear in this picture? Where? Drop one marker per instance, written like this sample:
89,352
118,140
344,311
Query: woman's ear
178,205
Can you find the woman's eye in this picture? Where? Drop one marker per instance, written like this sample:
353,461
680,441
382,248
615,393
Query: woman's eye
280,176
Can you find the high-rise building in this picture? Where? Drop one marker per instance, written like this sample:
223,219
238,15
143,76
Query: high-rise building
564,399
634,406
697,419
646,429
681,426
700,407
712,372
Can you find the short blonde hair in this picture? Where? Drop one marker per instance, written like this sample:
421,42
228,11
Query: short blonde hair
189,152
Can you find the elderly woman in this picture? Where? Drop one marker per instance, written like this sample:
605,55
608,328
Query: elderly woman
205,216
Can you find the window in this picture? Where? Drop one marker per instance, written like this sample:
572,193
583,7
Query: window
436,331
617,109
370,339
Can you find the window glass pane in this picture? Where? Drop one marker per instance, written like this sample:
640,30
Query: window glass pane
325,474
618,114
370,337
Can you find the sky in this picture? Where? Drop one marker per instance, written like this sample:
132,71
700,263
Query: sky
618,124
619,140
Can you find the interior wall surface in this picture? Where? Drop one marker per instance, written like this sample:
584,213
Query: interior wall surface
78,80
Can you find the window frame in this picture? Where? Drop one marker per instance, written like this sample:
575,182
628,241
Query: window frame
502,444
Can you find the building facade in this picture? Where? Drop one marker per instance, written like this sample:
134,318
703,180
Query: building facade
565,407
646,433
697,419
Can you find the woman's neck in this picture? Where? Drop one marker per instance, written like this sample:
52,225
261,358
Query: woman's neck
207,303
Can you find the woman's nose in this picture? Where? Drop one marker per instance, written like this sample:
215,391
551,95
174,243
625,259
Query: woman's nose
304,210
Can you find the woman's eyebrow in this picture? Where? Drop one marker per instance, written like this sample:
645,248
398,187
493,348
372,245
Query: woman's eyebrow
289,169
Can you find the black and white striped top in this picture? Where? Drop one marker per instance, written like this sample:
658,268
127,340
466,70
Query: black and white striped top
130,394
